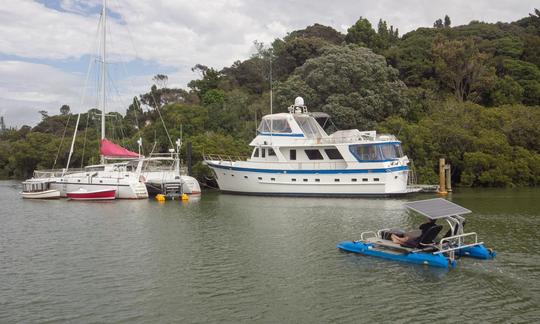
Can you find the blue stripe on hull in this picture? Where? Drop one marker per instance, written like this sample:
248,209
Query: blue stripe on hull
342,171
307,194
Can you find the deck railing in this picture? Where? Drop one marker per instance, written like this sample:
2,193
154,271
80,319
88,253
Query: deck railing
51,173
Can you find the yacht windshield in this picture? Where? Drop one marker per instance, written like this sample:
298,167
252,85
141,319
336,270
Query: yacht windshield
309,126
377,152
278,125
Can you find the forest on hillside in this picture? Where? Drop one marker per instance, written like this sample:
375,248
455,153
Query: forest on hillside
468,93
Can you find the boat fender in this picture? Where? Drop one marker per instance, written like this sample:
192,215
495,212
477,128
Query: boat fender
160,197
184,197
142,178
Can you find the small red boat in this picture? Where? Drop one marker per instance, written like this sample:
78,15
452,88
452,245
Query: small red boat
83,194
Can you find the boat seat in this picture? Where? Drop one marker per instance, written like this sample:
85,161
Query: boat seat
425,240
388,244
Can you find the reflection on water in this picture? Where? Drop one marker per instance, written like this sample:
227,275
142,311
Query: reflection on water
227,258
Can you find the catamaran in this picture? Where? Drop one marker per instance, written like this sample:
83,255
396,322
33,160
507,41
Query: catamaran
293,155
124,177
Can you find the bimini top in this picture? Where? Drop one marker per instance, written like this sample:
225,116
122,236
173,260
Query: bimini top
437,208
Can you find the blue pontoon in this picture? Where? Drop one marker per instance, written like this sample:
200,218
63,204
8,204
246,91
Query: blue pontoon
426,249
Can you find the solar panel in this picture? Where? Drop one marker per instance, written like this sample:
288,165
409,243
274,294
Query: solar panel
436,208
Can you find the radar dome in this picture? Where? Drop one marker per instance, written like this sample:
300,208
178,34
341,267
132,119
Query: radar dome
299,102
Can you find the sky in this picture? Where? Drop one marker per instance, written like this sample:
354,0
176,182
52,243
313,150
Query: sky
49,48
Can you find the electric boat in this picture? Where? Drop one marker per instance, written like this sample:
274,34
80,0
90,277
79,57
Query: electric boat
426,249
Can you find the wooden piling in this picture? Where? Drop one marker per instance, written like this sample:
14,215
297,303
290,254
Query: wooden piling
442,181
448,174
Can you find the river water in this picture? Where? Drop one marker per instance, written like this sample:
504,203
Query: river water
233,259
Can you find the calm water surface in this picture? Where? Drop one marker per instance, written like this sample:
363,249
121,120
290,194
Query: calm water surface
256,259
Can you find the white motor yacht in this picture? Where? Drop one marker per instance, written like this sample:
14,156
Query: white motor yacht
293,155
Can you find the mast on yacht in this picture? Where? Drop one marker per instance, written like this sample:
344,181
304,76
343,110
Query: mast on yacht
103,69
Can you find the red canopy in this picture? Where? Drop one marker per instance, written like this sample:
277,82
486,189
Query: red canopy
109,149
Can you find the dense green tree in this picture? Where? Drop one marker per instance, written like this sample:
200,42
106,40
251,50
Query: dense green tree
210,79
458,65
447,21
361,33
64,110
350,82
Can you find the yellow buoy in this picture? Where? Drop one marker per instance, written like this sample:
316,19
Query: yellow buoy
184,197
160,197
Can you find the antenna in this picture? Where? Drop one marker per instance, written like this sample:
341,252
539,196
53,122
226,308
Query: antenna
271,97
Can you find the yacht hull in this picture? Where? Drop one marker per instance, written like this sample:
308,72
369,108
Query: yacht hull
123,191
315,183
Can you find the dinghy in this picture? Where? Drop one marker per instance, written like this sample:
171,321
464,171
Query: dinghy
83,194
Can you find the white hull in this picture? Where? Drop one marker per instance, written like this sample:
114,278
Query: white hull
48,194
191,185
124,190
155,180
323,183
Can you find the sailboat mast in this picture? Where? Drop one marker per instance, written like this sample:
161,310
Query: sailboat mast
103,68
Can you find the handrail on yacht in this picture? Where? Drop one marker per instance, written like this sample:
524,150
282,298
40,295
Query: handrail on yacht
49,173
224,157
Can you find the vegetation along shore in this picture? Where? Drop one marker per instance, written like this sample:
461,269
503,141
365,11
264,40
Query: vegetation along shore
468,93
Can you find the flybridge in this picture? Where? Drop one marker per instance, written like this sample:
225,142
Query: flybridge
297,123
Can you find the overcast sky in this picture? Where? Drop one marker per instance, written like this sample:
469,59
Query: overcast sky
47,46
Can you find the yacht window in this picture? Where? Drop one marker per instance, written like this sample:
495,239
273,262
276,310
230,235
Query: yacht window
305,180
273,179
336,180
333,154
375,179
377,152
293,180
364,179
256,152
263,153
309,126
279,124
292,155
391,151
260,178
353,179
317,180
245,177
314,155
271,152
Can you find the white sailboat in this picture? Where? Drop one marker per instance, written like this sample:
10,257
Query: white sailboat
124,177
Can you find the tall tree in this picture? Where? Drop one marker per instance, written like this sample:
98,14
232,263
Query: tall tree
161,80
447,21
64,110
362,33
438,23
458,65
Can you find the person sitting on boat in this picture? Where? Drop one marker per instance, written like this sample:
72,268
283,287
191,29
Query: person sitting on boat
409,239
